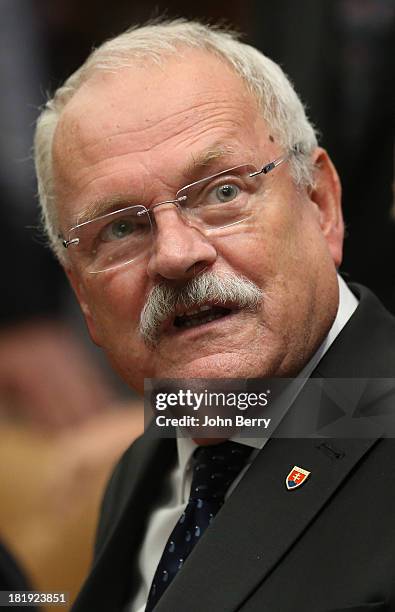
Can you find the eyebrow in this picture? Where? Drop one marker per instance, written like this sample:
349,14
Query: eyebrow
215,153
100,207
205,159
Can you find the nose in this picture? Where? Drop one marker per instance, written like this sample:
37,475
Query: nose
180,251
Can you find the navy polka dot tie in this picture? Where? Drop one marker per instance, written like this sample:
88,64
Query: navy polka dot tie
215,468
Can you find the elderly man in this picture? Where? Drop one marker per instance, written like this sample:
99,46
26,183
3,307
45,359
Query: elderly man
203,232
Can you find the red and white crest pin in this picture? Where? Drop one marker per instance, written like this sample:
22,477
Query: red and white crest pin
296,477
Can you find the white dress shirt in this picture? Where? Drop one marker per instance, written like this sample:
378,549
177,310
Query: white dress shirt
163,519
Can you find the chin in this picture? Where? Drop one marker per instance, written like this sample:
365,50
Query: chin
212,366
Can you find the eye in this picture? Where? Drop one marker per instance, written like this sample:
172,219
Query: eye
226,193
117,230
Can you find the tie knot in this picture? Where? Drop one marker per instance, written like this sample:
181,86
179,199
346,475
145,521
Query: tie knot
216,467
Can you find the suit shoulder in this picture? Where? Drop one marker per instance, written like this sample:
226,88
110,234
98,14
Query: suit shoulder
128,469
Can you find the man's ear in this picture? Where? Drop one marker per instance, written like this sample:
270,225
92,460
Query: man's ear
326,195
80,294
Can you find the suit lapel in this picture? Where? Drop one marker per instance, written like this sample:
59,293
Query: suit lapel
242,547
113,578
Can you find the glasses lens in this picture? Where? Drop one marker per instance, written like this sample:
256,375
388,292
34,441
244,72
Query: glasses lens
113,239
220,200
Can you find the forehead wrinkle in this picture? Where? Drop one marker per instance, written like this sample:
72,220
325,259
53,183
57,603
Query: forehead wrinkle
155,133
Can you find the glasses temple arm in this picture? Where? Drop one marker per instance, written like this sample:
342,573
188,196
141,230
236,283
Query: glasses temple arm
276,162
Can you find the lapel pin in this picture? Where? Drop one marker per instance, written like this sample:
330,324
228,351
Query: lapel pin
296,477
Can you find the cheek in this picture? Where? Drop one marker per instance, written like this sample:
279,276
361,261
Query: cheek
283,252
114,300
264,248
115,305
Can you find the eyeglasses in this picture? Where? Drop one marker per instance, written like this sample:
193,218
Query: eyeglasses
211,204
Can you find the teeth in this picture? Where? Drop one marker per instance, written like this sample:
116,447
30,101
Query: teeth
195,311
200,316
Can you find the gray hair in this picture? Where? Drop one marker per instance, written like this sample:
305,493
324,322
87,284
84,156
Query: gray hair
281,107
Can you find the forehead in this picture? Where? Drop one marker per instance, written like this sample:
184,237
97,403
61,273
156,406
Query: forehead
144,94
145,117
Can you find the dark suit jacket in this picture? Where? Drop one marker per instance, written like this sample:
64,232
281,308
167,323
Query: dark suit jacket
12,579
329,545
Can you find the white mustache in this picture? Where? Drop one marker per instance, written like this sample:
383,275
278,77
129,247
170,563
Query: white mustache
209,287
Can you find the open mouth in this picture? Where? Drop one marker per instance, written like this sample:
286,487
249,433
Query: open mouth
200,316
